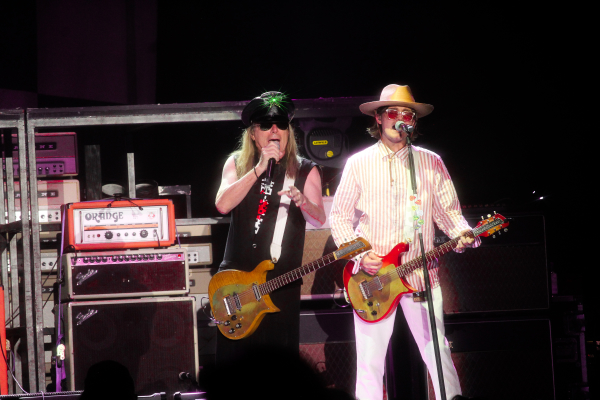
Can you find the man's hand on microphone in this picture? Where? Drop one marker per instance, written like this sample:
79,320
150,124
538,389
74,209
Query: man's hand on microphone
269,151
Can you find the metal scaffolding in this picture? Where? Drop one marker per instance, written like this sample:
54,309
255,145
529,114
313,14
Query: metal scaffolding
25,123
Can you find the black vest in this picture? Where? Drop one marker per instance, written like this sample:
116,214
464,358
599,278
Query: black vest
246,249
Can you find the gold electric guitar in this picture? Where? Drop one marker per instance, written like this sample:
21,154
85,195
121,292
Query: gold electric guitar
375,297
239,300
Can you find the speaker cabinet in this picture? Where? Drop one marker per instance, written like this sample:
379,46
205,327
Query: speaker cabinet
154,338
327,280
502,359
507,273
327,345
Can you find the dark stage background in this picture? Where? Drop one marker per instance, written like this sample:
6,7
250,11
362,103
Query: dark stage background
503,102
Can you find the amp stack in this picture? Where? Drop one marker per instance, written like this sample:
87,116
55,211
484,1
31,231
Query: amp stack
57,169
125,294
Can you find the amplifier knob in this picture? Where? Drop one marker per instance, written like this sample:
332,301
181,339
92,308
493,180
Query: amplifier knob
145,256
108,235
139,257
151,256
159,256
104,259
120,258
127,258
144,233
115,258
98,258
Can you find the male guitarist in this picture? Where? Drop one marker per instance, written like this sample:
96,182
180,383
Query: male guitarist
252,187
376,181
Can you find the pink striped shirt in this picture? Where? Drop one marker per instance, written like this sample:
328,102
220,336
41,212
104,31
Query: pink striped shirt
376,182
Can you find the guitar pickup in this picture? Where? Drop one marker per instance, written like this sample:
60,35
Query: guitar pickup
238,303
379,284
256,291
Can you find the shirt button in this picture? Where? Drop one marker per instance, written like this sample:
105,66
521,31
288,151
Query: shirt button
253,245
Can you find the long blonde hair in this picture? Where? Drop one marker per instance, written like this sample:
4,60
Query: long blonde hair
246,155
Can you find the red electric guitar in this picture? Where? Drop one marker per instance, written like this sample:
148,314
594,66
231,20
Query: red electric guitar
374,297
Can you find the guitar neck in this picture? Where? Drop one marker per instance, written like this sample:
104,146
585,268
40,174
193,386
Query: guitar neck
291,276
431,255
345,251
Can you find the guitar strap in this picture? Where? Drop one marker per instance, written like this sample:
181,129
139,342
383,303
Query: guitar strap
409,232
282,216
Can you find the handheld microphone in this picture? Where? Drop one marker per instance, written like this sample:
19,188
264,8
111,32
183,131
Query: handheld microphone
402,126
270,167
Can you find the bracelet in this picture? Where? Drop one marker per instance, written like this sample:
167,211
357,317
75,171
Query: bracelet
254,168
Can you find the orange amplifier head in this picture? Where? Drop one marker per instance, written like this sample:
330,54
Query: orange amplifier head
104,225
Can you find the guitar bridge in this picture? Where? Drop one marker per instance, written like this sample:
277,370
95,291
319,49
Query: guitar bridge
364,290
228,305
232,303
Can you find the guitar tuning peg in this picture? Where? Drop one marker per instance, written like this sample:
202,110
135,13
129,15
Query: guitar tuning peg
499,232
482,217
494,212
505,229
489,215
493,236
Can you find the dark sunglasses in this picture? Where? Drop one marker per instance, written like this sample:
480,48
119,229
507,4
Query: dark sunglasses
266,125
404,116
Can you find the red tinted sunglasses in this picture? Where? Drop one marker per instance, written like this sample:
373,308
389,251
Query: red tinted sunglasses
404,116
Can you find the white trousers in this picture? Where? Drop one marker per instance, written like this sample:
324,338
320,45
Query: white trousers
372,342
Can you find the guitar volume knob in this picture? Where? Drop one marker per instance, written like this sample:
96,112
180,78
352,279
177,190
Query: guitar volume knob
230,331
238,325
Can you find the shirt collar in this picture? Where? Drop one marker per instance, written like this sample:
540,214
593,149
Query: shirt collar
387,154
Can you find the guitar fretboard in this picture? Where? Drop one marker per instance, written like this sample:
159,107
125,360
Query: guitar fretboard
439,251
289,277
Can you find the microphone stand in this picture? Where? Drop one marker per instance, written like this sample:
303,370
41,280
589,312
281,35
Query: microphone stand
436,344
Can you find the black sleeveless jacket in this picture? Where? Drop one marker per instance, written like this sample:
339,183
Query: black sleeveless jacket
246,249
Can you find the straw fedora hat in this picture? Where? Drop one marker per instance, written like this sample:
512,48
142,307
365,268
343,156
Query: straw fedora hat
396,95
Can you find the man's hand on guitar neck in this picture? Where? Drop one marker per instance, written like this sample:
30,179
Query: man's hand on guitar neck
370,263
465,241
